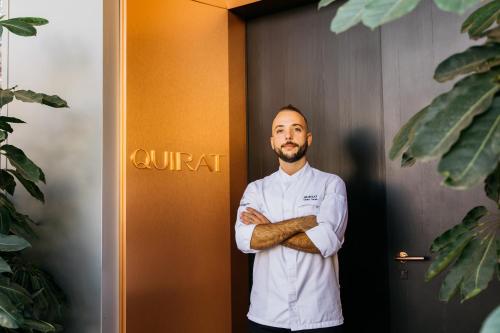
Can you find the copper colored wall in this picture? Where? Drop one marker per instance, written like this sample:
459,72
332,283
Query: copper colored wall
183,95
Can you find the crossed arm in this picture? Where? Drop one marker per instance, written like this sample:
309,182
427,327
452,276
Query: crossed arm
289,233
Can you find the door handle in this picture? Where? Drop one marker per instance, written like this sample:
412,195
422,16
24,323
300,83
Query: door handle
403,257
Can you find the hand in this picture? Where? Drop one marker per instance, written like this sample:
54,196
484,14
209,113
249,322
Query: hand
252,216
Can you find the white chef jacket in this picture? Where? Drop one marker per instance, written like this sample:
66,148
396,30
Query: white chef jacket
294,289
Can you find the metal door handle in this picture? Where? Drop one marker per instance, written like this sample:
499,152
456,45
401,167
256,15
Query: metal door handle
403,256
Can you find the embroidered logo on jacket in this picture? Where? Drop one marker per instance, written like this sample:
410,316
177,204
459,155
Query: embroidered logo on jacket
311,197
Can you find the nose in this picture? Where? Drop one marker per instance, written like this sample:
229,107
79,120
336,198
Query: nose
289,134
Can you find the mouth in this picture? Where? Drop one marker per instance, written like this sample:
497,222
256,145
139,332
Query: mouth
289,145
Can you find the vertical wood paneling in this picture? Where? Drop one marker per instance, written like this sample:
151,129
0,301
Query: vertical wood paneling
419,207
293,58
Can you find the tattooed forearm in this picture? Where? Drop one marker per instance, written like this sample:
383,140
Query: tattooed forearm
270,234
301,242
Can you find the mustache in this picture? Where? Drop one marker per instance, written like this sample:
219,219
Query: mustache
289,143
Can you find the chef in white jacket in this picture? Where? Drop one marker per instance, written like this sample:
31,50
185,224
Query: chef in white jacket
294,220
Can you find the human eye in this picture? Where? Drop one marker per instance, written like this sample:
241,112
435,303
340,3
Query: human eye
298,129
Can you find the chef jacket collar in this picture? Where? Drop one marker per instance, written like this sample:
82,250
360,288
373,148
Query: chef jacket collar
297,175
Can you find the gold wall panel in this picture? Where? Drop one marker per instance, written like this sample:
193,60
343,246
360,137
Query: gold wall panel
184,96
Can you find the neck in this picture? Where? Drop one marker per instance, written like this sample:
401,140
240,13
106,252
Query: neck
291,168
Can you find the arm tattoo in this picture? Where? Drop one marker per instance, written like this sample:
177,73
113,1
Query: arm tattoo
267,235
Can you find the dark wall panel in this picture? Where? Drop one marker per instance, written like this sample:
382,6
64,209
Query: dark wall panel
293,58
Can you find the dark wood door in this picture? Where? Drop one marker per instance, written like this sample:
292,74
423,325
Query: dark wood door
357,89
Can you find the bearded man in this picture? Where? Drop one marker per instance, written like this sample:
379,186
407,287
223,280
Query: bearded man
294,220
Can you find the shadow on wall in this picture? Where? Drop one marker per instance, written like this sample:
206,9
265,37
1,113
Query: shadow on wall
363,256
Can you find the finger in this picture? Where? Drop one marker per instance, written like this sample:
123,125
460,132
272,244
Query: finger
256,214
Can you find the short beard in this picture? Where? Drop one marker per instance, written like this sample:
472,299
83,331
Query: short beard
295,157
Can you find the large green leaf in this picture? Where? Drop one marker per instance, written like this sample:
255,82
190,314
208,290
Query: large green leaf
485,261
34,97
492,323
378,12
7,182
6,96
476,153
37,21
348,15
3,136
9,315
324,3
475,59
39,325
449,236
9,243
402,138
492,185
457,6
30,186
481,19
22,163
18,27
451,112
452,281
447,255
10,120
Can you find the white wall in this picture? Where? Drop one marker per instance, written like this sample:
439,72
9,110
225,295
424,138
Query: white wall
66,58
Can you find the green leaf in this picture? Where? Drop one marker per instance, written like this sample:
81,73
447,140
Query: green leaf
9,243
30,186
37,21
407,160
15,292
6,96
6,127
324,3
475,59
481,19
492,322
3,136
451,112
454,278
476,153
22,163
18,27
492,185
4,266
7,182
485,261
39,325
457,6
378,12
348,15
33,97
447,255
468,222
4,220
11,120
9,315
403,137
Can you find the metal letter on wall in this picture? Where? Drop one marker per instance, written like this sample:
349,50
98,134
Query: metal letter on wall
183,167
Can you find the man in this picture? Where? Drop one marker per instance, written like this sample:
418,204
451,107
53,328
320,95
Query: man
294,220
